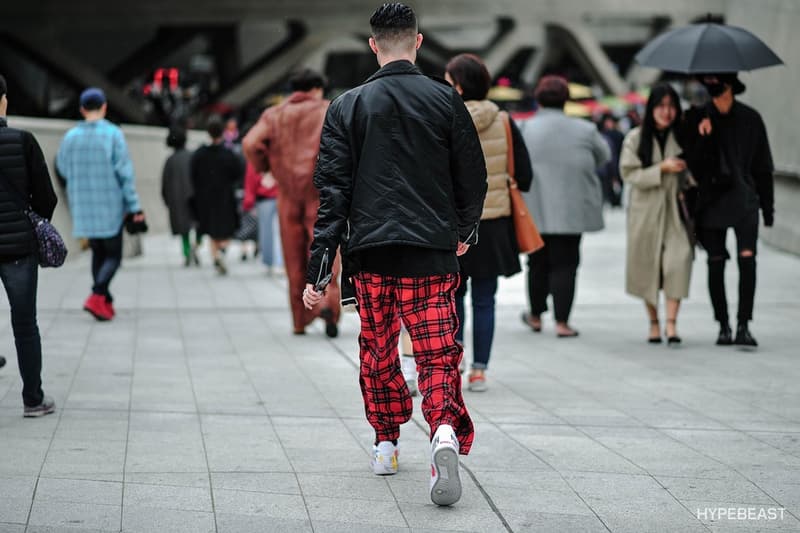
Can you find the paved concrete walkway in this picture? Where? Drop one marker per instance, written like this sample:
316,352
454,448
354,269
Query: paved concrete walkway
196,410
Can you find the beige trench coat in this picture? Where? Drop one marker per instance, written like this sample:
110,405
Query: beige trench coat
659,254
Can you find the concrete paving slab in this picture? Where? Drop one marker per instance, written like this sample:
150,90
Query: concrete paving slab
138,519
216,418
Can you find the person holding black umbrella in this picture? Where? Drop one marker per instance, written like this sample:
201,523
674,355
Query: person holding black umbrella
728,152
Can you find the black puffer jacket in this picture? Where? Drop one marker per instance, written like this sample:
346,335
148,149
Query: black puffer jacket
400,163
22,169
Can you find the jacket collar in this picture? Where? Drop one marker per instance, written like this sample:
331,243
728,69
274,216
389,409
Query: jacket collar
549,111
401,66
299,96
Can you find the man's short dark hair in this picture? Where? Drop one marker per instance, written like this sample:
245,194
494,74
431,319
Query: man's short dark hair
176,138
306,79
215,126
393,24
469,72
552,91
3,86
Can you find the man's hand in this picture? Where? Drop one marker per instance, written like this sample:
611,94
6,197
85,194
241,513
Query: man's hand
462,249
672,165
311,297
138,217
704,128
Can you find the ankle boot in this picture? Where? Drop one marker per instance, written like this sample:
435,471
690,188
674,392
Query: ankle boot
725,337
743,336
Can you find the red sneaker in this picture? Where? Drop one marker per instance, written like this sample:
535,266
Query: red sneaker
110,307
96,305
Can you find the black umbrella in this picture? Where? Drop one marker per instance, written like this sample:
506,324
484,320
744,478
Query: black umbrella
707,48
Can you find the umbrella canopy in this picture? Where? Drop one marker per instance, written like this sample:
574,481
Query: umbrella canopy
707,48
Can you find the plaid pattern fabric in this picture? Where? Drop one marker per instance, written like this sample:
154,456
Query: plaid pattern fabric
426,306
248,228
100,183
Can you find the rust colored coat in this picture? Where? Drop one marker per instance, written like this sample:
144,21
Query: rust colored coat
285,140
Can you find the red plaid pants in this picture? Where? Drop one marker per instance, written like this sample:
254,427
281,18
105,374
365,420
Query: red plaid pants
426,306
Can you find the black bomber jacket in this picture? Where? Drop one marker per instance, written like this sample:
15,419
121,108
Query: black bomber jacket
400,163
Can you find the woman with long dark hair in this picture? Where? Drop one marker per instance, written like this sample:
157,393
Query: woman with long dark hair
659,252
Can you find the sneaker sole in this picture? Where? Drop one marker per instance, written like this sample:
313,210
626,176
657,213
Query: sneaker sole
36,414
447,488
99,318
380,470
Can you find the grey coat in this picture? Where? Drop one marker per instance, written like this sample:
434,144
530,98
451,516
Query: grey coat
176,190
566,196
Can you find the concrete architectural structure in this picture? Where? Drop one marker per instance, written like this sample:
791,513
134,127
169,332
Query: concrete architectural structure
253,44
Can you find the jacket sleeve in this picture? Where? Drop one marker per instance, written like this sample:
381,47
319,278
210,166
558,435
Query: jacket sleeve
123,168
522,160
254,144
630,166
251,180
43,198
700,151
62,159
165,178
600,149
468,172
333,177
762,170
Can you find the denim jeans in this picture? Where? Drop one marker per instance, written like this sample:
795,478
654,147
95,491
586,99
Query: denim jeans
20,279
106,258
268,238
483,291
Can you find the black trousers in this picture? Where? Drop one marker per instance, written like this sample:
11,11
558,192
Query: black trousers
713,240
106,259
552,270
20,279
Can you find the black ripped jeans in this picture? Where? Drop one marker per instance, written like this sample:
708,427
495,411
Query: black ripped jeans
713,240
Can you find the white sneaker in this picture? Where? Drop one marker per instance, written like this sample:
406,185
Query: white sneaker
445,480
384,458
409,367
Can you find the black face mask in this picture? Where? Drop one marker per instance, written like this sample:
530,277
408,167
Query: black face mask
715,89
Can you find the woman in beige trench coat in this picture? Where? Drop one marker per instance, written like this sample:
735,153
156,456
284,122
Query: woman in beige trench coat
659,253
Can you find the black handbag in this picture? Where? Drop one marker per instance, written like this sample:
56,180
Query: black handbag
132,226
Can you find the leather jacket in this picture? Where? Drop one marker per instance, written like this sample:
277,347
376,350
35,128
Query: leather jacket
400,163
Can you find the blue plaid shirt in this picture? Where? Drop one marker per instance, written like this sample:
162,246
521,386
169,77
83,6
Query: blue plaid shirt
93,158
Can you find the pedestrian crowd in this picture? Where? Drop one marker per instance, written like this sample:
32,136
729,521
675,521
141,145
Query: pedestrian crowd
402,190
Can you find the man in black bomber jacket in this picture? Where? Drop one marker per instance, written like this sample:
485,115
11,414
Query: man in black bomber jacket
402,182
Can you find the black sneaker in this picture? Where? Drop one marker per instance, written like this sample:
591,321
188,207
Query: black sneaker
47,406
743,336
2,361
725,337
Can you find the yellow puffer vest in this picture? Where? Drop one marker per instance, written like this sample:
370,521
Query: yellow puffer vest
492,132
